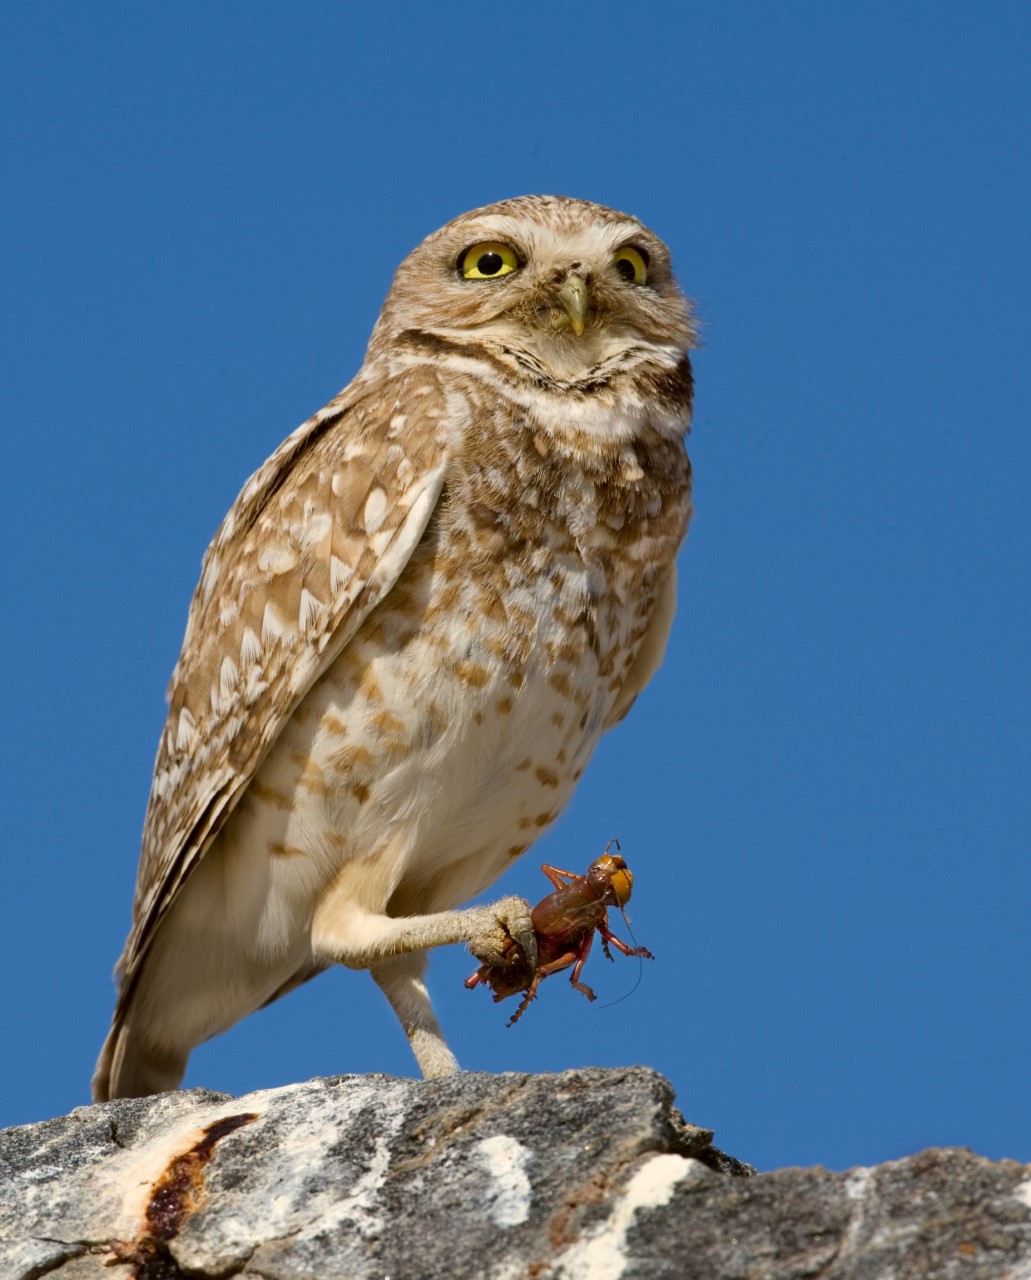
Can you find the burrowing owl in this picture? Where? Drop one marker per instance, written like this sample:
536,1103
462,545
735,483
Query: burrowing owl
412,629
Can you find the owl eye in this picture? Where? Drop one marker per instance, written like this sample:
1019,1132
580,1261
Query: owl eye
487,261
632,265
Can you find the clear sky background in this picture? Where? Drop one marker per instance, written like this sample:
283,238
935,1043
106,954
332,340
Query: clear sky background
825,792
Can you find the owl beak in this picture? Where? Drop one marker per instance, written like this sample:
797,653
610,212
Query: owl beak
576,302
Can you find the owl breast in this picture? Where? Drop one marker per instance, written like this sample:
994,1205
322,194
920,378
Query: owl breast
453,727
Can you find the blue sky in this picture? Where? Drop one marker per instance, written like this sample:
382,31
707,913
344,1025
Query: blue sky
825,793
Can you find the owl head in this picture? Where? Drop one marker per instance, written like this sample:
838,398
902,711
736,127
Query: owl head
544,283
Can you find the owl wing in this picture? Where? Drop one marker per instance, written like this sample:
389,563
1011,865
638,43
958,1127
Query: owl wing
316,538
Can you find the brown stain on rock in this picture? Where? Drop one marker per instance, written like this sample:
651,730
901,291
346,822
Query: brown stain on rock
179,1190
177,1194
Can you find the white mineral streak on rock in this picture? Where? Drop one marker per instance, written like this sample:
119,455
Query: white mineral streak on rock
509,1194
290,1196
856,1187
602,1255
360,1206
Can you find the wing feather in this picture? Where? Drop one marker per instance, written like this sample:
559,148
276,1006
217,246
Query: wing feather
316,538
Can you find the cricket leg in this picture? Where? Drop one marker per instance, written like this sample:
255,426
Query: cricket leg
578,968
609,938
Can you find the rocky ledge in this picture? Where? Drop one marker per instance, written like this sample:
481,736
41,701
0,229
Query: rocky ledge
585,1174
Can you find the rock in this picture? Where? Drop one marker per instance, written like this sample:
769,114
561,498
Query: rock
585,1174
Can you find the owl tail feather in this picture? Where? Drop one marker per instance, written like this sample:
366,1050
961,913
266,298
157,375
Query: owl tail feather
130,1068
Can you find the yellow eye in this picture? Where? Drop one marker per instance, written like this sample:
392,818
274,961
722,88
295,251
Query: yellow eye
632,265
487,261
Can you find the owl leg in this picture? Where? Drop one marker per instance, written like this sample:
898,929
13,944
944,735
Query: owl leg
401,980
343,932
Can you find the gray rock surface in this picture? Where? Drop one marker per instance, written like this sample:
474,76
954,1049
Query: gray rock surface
585,1174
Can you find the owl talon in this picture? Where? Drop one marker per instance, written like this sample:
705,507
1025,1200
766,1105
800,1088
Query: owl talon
506,926
526,939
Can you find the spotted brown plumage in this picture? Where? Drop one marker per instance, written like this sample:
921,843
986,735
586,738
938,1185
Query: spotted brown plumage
411,630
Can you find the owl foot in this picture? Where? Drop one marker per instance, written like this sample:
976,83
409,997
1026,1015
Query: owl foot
497,927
